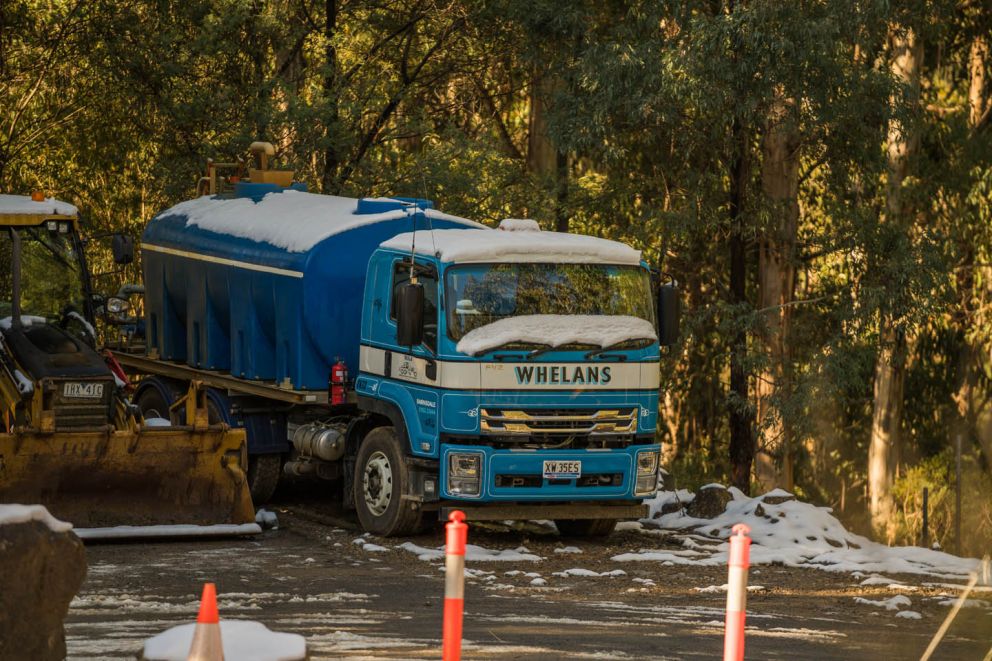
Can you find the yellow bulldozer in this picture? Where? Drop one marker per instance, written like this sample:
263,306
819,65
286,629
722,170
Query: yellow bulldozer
69,437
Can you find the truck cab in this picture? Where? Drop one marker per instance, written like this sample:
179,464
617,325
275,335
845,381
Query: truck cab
518,371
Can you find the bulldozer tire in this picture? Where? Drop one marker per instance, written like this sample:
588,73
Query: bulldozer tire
263,476
381,478
585,527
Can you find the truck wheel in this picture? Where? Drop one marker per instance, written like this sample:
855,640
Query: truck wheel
263,476
381,479
152,404
585,527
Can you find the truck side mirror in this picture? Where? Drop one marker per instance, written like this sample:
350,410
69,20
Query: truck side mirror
122,246
670,312
410,314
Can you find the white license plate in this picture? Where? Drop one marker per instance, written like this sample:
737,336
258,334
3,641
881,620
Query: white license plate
84,390
556,470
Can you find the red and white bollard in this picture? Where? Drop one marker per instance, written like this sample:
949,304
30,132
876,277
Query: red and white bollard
454,585
739,561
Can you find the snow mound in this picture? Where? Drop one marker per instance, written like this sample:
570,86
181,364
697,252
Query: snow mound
909,615
23,204
892,604
519,225
24,513
244,640
266,519
292,220
473,553
791,533
557,330
486,245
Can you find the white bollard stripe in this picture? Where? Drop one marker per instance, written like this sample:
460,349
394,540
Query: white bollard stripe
454,577
737,590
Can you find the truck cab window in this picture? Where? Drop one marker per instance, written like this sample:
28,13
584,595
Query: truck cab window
427,276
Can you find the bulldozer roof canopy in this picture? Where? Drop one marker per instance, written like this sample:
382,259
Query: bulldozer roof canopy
22,210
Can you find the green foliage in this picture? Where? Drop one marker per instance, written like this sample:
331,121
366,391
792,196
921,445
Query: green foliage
117,105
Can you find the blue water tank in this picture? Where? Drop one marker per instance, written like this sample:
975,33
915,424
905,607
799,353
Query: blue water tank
268,288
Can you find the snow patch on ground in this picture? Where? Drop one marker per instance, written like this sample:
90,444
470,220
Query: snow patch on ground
242,639
568,549
10,514
578,571
473,553
267,519
892,604
791,533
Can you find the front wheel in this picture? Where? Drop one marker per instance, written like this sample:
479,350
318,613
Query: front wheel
263,476
381,479
585,527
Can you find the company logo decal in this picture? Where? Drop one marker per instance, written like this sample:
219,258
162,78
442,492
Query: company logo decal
562,375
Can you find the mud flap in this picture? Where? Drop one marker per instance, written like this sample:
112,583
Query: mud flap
150,476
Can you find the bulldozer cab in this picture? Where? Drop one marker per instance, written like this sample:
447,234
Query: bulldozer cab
69,438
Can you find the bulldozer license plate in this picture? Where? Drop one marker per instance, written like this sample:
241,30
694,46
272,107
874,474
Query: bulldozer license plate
83,390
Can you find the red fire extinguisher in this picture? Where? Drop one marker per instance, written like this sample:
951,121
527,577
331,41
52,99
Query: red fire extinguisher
339,377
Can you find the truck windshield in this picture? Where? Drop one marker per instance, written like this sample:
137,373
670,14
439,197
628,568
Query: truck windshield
51,281
479,294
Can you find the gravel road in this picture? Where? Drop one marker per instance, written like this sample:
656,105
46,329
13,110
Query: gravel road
365,598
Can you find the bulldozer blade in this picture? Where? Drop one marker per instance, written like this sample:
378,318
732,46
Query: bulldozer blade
152,476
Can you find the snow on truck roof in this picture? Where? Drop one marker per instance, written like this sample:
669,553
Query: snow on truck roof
519,241
23,205
292,220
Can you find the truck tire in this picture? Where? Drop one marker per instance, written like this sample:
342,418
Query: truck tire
585,527
153,404
263,476
381,479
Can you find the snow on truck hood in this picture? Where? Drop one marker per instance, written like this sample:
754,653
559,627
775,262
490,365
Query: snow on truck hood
556,330
487,245
292,220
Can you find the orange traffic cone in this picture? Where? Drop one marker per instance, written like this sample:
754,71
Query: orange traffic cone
206,637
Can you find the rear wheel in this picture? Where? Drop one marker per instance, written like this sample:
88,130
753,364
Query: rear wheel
263,476
585,527
381,479
153,404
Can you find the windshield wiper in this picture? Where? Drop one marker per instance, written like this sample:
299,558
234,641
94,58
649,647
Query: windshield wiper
540,347
620,345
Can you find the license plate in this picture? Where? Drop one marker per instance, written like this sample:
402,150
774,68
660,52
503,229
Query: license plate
556,470
83,390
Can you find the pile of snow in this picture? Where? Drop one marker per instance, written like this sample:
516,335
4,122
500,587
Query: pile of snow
157,422
23,204
892,604
791,533
557,330
24,513
578,571
486,245
27,320
242,639
268,520
368,546
519,225
292,220
473,553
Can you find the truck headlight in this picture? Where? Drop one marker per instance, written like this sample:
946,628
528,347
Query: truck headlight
647,473
465,473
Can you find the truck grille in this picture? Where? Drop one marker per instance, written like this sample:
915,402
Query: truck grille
558,422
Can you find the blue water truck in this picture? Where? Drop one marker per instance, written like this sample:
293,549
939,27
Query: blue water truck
422,361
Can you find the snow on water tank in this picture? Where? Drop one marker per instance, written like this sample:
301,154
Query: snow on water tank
269,289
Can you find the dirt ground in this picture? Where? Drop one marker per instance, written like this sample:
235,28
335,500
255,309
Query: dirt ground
365,598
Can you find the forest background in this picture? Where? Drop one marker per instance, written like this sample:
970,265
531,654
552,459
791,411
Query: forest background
816,174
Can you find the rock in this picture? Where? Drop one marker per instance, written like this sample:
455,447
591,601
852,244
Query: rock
710,502
776,497
40,571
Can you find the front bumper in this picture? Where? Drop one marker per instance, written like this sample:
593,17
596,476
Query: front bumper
517,474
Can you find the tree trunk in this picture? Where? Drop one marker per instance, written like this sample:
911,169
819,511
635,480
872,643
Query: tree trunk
741,415
544,159
332,160
903,143
776,283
